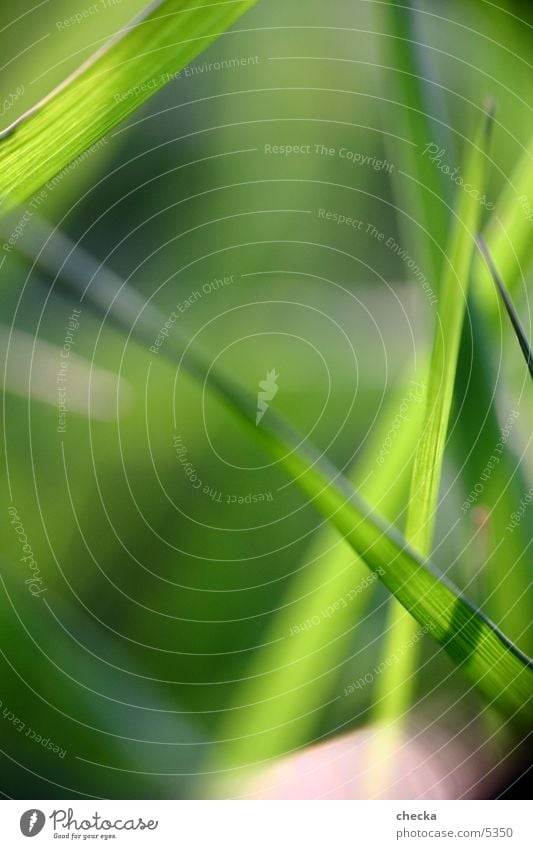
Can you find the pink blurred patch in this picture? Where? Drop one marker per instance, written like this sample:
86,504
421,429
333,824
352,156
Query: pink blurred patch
372,764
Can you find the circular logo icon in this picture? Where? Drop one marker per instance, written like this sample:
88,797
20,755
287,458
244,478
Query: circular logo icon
32,822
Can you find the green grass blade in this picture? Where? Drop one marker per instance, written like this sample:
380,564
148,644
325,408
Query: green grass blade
107,727
289,681
395,687
496,667
420,189
481,434
109,86
446,342
509,306
508,234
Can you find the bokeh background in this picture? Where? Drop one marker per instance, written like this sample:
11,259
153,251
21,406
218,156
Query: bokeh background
190,625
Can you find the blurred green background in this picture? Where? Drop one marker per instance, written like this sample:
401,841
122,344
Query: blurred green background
162,598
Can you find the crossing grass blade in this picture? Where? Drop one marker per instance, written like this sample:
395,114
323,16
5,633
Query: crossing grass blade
508,304
507,235
496,667
117,79
293,677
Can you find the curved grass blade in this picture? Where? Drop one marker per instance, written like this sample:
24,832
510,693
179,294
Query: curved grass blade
117,79
502,673
508,304
394,689
482,433
508,233
295,676
508,238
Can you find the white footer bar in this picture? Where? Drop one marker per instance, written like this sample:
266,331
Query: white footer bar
266,825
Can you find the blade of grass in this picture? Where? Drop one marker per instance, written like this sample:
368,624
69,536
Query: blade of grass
280,702
502,673
446,341
508,304
418,186
508,238
508,234
483,434
416,183
394,689
117,79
